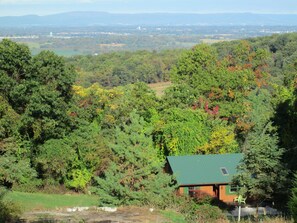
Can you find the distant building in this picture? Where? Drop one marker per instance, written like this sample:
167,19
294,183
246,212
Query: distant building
201,175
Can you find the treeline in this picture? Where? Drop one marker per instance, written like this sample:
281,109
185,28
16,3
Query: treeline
230,97
121,68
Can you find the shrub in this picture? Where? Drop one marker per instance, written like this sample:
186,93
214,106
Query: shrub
79,179
194,211
32,186
209,213
9,211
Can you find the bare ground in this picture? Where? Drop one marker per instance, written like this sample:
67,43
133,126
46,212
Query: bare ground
122,215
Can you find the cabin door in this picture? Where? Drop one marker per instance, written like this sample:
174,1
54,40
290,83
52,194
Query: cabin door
216,191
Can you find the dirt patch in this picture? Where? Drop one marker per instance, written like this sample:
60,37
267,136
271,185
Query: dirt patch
122,215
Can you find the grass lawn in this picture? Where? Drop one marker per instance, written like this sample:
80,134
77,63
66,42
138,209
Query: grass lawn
39,201
173,216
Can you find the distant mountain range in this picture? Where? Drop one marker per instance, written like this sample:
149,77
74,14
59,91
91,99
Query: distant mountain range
157,19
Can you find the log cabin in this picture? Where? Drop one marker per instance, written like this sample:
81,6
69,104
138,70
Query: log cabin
200,175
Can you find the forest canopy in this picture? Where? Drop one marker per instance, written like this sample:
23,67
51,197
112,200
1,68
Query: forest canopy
88,122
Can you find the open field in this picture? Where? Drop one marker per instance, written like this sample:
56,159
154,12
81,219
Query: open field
38,207
39,201
211,41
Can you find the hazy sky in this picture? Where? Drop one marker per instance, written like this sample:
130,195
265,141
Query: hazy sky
42,7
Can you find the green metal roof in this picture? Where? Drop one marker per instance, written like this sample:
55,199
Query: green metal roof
204,169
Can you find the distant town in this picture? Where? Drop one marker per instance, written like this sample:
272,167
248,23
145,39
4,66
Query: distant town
94,40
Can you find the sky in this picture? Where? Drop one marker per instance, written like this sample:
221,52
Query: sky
44,7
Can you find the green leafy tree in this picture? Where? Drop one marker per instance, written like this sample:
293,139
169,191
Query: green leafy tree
219,86
91,104
15,166
78,178
222,140
74,159
46,113
138,97
9,120
135,175
122,68
15,61
37,88
200,60
54,160
181,131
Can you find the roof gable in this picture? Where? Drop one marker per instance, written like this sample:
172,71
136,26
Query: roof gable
204,169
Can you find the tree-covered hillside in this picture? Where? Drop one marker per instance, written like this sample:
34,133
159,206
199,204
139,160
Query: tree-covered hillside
105,131
121,68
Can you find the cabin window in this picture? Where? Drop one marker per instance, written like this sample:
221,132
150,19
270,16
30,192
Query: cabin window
233,189
224,171
192,191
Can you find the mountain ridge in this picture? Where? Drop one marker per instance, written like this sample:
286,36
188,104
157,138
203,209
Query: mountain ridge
91,18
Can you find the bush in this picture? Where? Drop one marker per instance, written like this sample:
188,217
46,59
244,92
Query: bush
9,211
30,187
78,179
209,213
194,211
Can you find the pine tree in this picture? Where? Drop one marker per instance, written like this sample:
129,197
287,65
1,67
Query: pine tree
135,176
261,173
293,200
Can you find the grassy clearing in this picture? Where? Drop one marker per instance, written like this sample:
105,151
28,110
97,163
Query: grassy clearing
33,45
211,41
173,217
160,87
39,201
67,52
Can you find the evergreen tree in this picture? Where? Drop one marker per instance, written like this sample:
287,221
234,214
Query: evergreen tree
135,175
286,120
262,174
293,200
